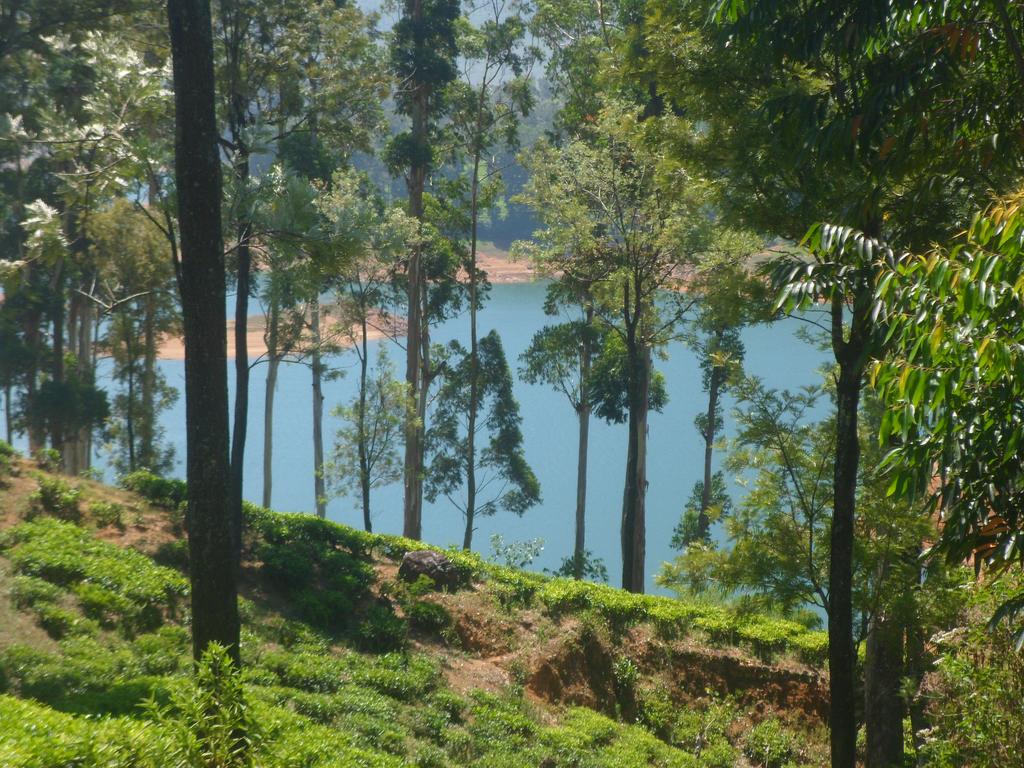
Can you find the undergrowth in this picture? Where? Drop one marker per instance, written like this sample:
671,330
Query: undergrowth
116,687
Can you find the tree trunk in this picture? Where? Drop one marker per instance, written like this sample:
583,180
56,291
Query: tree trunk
634,495
583,415
241,420
883,703
364,459
147,426
212,564
9,429
414,429
474,358
273,361
319,490
841,653
703,519
129,414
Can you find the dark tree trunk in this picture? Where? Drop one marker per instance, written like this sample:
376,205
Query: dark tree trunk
634,539
474,358
8,427
883,703
917,666
212,564
147,428
703,519
416,326
319,487
851,356
129,416
241,420
364,459
273,362
583,415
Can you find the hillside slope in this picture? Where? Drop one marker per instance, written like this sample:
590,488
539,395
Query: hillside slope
347,665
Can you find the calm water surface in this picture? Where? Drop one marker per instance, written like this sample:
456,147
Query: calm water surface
675,458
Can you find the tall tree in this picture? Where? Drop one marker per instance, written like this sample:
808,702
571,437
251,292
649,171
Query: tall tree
422,56
487,102
374,236
561,356
505,479
212,554
604,213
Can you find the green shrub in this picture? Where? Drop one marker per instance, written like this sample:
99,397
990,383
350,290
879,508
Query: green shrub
210,722
164,652
7,465
47,459
326,609
60,622
56,497
106,514
120,582
428,617
28,591
381,630
769,745
287,566
161,491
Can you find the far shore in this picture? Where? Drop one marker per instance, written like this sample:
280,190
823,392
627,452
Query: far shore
500,269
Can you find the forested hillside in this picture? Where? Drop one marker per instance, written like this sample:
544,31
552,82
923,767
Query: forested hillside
347,663
302,191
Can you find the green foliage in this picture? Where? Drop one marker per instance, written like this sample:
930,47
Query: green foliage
209,723
972,697
117,586
500,459
583,565
106,513
7,461
163,492
47,459
380,630
428,617
769,745
55,496
951,382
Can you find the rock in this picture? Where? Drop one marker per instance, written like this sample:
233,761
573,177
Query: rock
425,562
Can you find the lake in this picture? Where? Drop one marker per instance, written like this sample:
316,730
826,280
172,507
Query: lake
675,461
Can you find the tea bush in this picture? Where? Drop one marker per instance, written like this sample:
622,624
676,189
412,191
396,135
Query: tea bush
161,491
107,513
769,745
56,497
110,581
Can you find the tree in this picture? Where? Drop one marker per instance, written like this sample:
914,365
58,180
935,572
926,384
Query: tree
136,273
212,554
365,452
861,119
561,357
606,218
952,386
374,236
504,474
486,105
422,57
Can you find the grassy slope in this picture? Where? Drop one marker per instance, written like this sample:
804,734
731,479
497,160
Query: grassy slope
346,666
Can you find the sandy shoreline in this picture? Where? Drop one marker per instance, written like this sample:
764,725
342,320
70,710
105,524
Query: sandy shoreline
501,270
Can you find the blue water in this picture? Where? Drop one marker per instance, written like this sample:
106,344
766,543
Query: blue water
675,459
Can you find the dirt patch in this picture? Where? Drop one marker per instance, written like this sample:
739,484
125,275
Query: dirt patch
579,668
576,670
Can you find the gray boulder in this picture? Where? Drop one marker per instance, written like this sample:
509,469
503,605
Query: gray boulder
425,562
